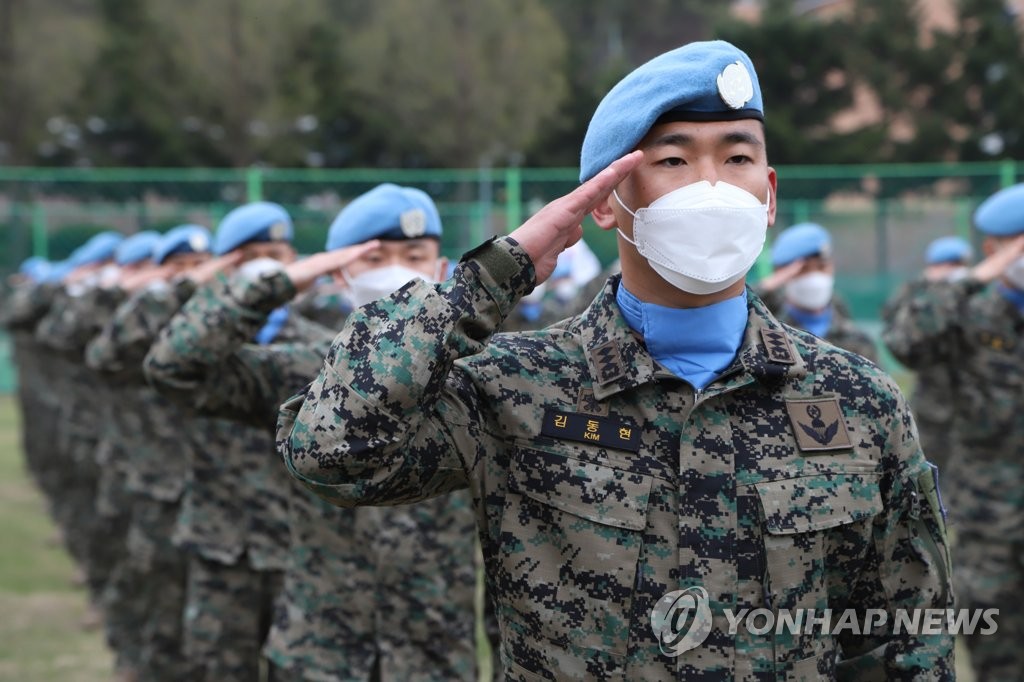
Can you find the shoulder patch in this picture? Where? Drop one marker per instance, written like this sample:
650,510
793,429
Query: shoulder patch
777,346
818,424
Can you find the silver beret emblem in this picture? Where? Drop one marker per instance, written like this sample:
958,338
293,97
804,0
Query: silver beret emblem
735,85
277,231
413,222
198,243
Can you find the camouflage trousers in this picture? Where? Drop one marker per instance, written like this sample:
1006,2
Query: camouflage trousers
378,593
151,581
989,574
226,619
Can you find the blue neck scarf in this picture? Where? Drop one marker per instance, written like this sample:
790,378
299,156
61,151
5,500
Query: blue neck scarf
1014,296
816,323
695,344
270,330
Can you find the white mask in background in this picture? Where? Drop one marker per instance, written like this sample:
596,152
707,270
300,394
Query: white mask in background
108,276
812,291
700,238
1015,273
251,269
565,290
957,274
380,282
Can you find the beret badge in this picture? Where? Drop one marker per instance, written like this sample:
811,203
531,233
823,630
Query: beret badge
413,222
277,231
198,243
735,86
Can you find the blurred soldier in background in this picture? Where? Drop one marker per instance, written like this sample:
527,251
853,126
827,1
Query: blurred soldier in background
801,292
160,440
947,259
973,328
373,594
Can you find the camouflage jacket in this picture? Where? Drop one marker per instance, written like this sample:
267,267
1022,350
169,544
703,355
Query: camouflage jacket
602,482
843,331
157,450
25,305
972,332
238,491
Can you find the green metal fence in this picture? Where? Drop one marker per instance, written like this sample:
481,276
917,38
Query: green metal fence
881,217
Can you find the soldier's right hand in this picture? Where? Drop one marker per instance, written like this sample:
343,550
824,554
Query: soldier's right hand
304,272
995,264
559,225
783,275
205,271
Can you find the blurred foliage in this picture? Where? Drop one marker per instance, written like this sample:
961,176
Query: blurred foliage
460,83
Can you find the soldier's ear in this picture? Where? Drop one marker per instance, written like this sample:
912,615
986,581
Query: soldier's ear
989,245
604,214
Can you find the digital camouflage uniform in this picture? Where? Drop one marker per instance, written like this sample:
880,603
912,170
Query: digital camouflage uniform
72,321
154,570
842,332
932,400
975,334
393,583
601,481
230,519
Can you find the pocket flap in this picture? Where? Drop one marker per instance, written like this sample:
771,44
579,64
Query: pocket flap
799,505
602,494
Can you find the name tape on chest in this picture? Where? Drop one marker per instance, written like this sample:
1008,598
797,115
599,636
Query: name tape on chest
606,432
818,424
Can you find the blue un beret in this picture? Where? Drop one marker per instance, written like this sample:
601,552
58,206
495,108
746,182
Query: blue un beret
1002,214
182,239
99,248
260,221
59,270
948,250
35,268
800,241
136,248
385,212
703,81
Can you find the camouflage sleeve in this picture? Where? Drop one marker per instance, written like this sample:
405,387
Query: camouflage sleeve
374,426
204,357
26,305
924,328
907,573
127,336
74,320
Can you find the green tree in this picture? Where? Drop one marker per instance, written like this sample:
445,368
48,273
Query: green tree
456,82
986,79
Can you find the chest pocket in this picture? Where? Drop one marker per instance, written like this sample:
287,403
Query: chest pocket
797,514
571,535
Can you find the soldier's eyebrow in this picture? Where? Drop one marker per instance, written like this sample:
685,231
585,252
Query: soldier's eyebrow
685,140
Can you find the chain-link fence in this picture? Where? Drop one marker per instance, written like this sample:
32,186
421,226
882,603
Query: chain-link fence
881,217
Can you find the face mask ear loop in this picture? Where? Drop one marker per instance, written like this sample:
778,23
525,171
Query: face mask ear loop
622,234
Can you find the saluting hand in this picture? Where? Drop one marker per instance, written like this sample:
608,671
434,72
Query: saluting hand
558,225
205,271
304,272
787,273
992,267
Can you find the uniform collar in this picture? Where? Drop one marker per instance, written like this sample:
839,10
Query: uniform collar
619,361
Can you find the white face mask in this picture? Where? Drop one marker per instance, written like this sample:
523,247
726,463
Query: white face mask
380,282
251,269
700,238
812,291
1015,273
566,290
957,274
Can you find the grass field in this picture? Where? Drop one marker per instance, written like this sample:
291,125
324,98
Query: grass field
41,636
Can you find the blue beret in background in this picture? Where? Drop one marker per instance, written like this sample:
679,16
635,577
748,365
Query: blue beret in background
260,221
137,247
182,239
99,248
1002,214
800,241
948,250
385,212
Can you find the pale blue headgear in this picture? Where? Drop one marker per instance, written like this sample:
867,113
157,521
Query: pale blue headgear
948,250
35,268
1002,214
99,248
385,212
182,239
136,248
802,240
702,81
260,221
